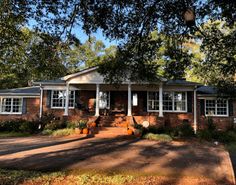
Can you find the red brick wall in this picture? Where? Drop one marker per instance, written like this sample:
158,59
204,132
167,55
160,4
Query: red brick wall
220,122
32,107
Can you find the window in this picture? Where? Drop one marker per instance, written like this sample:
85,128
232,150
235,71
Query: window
135,99
11,105
167,101
104,99
216,107
172,101
180,101
59,99
153,101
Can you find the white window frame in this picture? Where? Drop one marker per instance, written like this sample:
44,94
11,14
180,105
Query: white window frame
173,103
148,110
64,99
217,115
109,99
17,113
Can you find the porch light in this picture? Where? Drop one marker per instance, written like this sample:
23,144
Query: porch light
189,17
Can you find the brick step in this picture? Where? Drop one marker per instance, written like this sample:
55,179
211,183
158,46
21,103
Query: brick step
113,130
112,121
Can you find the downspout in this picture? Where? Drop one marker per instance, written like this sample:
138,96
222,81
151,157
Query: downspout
195,111
41,102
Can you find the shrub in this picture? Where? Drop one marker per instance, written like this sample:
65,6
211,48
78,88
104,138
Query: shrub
29,126
11,125
210,124
205,134
71,125
157,137
47,132
225,137
63,132
185,130
55,124
81,124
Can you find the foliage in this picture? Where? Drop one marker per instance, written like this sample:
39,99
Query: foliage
70,124
185,130
29,126
62,177
55,124
205,134
10,126
47,132
63,132
158,137
82,124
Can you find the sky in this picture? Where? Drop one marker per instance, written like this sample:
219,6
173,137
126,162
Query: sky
81,35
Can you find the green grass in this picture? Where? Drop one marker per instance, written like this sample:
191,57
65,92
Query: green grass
63,177
59,132
13,134
158,137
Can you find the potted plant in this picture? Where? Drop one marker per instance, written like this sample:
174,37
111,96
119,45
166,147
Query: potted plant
129,131
82,127
138,130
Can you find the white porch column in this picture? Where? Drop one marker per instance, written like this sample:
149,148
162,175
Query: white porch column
195,111
66,113
41,103
97,100
129,101
161,100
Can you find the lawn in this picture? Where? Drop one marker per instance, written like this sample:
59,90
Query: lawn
91,178
14,134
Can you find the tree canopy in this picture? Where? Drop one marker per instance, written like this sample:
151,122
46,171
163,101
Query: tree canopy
132,22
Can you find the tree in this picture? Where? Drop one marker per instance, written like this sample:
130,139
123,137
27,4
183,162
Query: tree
131,22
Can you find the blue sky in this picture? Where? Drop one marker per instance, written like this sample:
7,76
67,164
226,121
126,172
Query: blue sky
81,35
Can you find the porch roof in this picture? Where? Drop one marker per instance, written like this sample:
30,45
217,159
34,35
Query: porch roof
24,91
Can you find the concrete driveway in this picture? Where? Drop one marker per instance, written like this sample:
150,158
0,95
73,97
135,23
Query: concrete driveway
120,154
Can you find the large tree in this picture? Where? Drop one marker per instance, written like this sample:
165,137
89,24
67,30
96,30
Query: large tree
131,22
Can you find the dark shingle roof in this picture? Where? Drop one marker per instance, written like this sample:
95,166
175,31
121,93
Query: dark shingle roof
57,81
207,90
181,82
24,91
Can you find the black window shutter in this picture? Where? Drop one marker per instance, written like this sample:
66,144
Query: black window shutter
77,99
144,96
202,107
49,92
24,106
231,107
190,101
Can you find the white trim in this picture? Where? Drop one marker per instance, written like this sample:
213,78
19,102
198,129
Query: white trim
12,113
217,115
63,107
129,113
169,111
109,99
97,100
161,100
41,103
195,111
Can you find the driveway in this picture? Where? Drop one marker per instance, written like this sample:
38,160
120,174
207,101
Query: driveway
120,154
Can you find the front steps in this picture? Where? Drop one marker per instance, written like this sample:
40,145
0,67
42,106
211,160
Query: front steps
111,132
113,121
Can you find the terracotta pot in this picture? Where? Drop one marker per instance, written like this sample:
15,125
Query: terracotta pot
129,131
78,131
138,132
93,124
85,131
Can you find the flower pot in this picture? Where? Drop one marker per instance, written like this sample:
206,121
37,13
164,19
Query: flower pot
78,131
138,132
129,131
85,131
93,124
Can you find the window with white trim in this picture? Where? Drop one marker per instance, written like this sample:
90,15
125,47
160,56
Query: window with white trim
217,107
104,100
12,105
172,101
153,101
167,101
180,101
58,99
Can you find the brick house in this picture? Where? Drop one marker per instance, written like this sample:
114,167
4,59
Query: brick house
86,95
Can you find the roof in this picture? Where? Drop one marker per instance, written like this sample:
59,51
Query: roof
182,82
207,90
51,82
24,91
